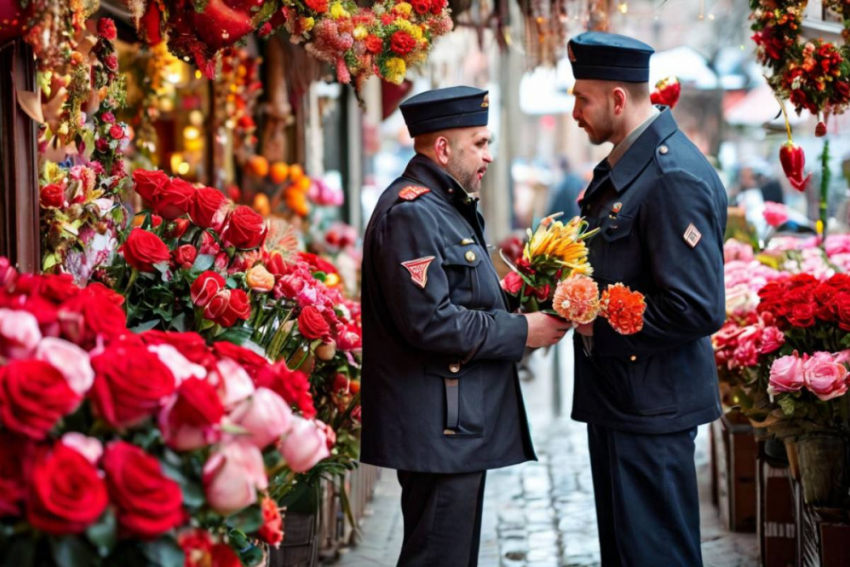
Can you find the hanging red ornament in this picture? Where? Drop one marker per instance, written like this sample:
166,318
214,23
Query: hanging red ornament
793,158
666,92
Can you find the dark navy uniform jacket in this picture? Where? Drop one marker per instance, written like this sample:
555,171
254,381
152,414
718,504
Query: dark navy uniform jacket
662,215
440,391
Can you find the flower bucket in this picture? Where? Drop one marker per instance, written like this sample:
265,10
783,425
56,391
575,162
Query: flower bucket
300,546
824,469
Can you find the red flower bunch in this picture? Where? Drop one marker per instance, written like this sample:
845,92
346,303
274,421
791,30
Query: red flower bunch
402,43
292,385
802,301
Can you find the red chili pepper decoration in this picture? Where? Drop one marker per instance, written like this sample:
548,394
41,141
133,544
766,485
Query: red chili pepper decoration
666,92
792,158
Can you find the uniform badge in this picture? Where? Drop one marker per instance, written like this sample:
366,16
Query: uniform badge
617,208
412,192
419,270
692,236
570,53
486,103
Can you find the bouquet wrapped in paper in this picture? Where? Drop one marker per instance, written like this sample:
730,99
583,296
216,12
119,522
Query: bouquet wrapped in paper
553,276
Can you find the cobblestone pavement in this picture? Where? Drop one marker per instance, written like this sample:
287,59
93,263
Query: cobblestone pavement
542,514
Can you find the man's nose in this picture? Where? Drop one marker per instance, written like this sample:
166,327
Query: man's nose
487,157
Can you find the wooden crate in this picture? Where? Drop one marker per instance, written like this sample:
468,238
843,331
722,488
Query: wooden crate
777,528
823,534
735,456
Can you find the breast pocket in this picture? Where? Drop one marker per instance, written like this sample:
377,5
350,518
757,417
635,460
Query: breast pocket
462,266
621,252
463,397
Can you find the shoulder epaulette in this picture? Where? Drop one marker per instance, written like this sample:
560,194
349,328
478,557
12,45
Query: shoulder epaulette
412,192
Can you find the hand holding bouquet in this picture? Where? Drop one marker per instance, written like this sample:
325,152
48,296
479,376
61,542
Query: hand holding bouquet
553,276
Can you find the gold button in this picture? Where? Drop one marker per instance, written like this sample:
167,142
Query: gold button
454,368
663,150
467,241
470,256
633,358
449,432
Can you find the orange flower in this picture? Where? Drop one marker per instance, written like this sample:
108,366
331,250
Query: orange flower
577,299
259,279
623,308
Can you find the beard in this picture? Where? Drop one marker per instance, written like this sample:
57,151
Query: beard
602,130
465,175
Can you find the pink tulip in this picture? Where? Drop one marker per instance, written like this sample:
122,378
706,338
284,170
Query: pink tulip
786,374
823,377
89,447
232,382
305,445
232,476
69,359
265,415
19,333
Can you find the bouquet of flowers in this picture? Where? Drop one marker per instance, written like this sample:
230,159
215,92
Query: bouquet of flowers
117,446
552,275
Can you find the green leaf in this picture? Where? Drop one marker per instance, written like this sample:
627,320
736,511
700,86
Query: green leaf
146,326
206,324
179,323
788,405
193,492
72,551
104,534
236,335
164,552
19,553
248,520
203,263
49,261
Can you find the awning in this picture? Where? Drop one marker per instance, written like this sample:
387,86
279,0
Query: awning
759,107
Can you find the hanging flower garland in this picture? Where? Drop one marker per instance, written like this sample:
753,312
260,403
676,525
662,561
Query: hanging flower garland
383,40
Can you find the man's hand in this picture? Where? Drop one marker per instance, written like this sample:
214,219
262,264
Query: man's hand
545,330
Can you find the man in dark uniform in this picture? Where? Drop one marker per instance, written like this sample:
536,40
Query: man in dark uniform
661,211
441,398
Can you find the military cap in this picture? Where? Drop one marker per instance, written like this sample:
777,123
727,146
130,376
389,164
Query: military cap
609,57
442,109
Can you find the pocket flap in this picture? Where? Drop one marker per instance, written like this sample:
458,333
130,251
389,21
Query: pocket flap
617,228
463,255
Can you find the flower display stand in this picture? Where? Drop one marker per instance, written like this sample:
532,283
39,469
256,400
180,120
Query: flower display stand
777,528
823,534
734,457
300,546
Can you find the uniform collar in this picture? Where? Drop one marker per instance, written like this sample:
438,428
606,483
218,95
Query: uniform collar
423,169
633,161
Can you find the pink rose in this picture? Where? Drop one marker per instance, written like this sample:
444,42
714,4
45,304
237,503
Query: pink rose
19,333
842,357
179,365
823,377
232,382
265,415
512,283
734,250
232,477
305,445
772,340
786,374
89,447
69,359
775,213
192,419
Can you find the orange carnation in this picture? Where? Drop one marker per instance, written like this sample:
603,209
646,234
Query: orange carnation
577,299
623,308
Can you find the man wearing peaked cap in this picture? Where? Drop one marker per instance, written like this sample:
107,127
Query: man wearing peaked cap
440,394
661,211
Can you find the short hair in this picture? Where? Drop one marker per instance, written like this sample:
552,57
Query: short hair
637,91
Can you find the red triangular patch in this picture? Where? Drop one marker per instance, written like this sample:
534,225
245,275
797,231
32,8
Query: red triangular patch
419,270
411,192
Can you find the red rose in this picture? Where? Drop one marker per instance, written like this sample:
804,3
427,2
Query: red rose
374,44
272,530
512,283
437,6
802,315
224,556
197,545
130,384
191,345
402,43
421,6
178,228
149,182
206,287
52,196
227,306
209,208
320,6
116,132
192,421
245,229
209,245
58,288
107,117
252,362
312,324
102,144
156,220
288,286
316,263
174,199
148,502
66,492
184,256
291,385
34,396
92,314
106,29
111,63
277,265
15,462
143,249
841,308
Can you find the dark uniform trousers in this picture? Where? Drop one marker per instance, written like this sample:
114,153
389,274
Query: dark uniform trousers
442,518
647,505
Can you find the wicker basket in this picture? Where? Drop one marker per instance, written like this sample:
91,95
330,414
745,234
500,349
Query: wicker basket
300,546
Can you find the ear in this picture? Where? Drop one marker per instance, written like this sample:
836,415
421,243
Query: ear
620,99
442,150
